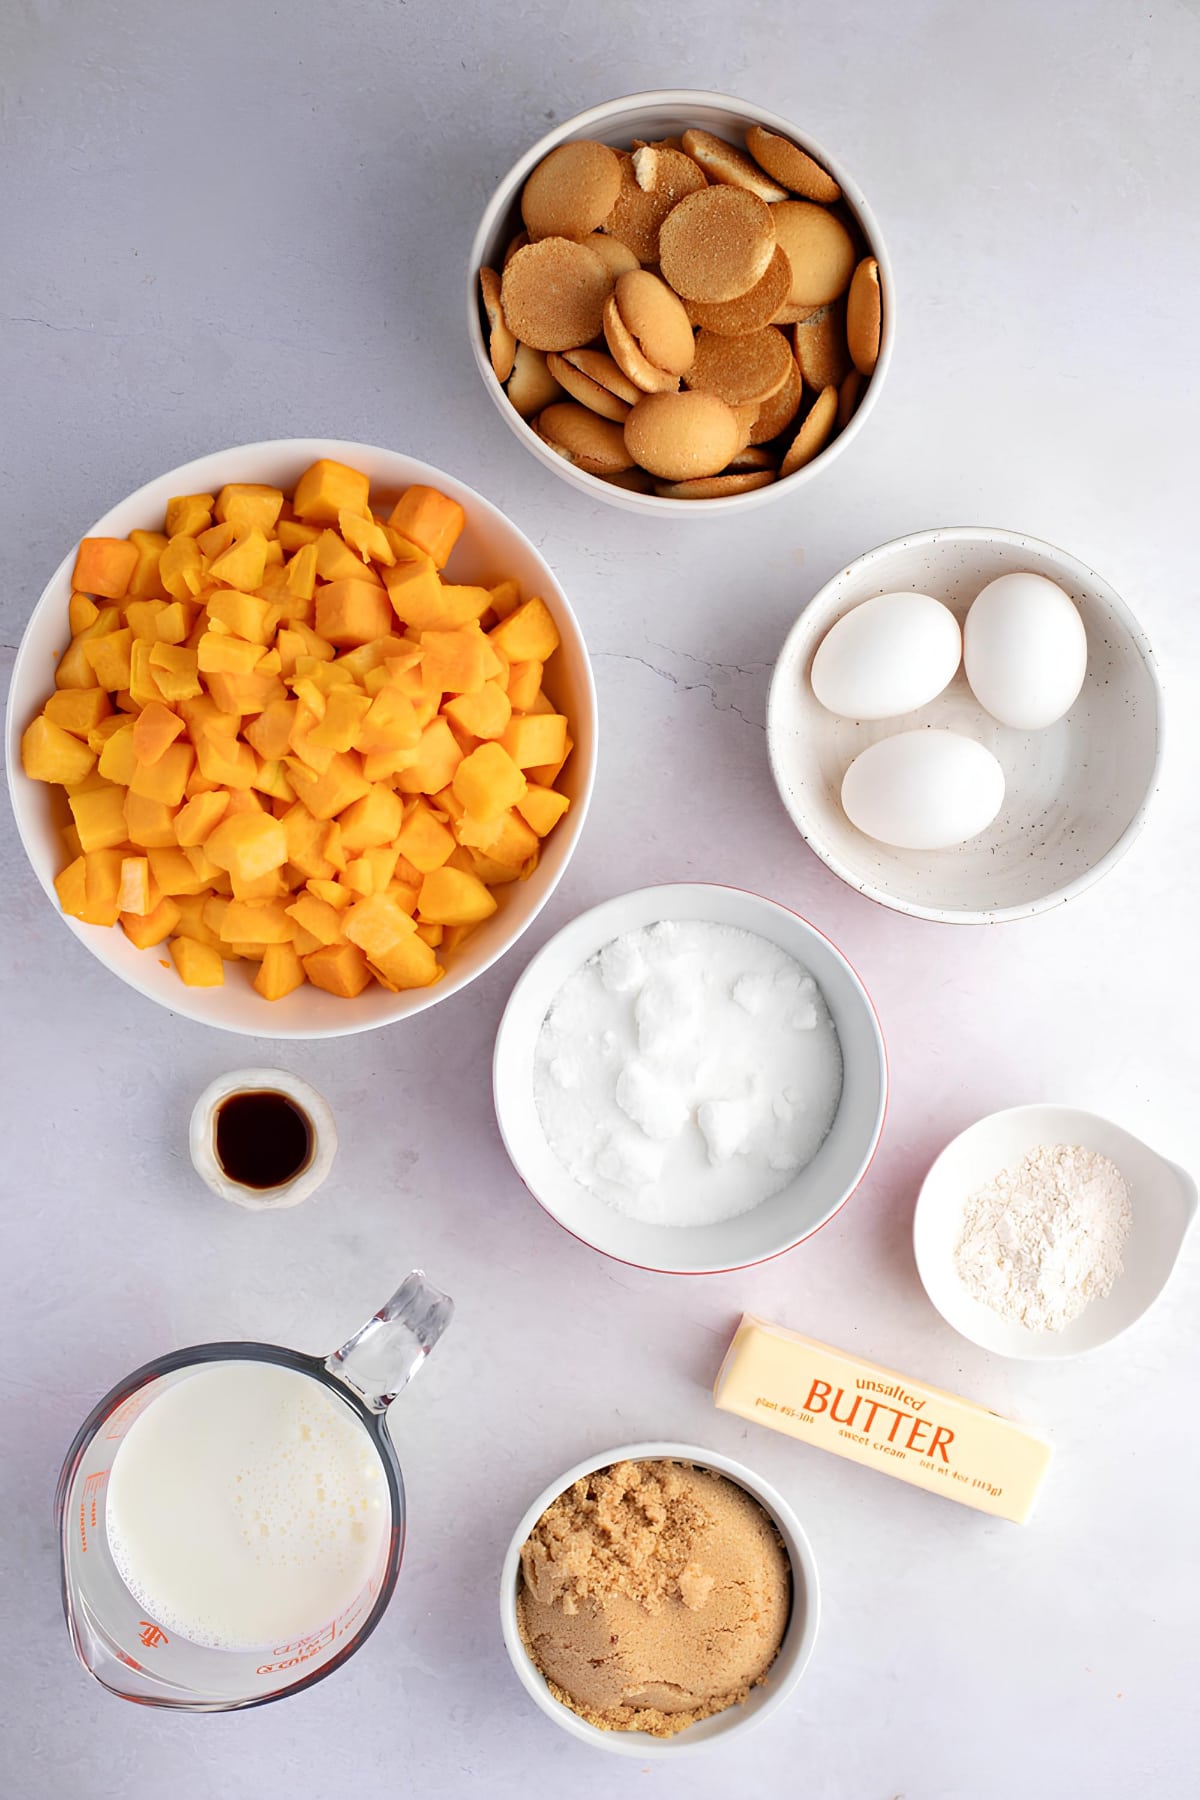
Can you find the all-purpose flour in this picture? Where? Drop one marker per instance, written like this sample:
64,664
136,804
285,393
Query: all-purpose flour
1043,1239
687,1072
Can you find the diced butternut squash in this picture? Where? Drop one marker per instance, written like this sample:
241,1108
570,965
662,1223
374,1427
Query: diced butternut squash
528,633
110,658
195,821
453,661
506,597
153,731
176,672
372,820
452,897
244,615
365,536
255,921
133,896
144,583
48,753
339,969
302,572
166,777
154,927
280,972
409,963
82,611
173,872
487,783
150,824
481,715
316,916
377,924
226,761
424,839
345,711
525,684
243,564
328,794
181,567
433,763
198,965
249,845
535,738
352,611
542,808
249,506
100,817
188,514
78,710
391,722
430,520
70,884
325,488
104,567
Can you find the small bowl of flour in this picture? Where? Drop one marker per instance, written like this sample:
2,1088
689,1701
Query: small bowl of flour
1043,1231
690,1078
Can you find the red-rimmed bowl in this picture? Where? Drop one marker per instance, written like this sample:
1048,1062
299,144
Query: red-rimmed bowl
778,1223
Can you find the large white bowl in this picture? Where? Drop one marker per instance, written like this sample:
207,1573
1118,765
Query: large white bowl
789,1216
665,112
1077,793
491,548
1162,1196
785,1672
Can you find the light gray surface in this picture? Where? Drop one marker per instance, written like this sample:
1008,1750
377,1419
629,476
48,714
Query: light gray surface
242,221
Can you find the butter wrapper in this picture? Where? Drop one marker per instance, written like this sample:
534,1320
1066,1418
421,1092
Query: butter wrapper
852,1408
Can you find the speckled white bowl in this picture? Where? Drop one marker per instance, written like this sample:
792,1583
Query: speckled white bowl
667,112
1077,793
786,1671
1162,1195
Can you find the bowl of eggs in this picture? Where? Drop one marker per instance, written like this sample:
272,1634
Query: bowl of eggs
966,725
680,304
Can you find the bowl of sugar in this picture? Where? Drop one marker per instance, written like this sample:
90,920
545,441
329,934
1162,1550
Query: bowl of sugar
1044,1231
690,1078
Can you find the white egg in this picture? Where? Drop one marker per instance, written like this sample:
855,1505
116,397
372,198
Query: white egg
923,790
887,656
1025,650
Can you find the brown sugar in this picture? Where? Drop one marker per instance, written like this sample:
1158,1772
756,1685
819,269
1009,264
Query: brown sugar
653,1595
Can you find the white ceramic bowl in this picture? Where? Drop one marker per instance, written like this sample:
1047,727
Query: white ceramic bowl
794,1652
202,1138
1077,793
1163,1198
491,548
666,112
789,1216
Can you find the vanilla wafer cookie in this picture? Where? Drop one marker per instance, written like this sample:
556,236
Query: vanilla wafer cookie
792,167
553,294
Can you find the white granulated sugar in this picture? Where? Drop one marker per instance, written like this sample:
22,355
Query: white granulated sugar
687,1072
1043,1239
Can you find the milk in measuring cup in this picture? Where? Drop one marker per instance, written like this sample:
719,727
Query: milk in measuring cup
246,1506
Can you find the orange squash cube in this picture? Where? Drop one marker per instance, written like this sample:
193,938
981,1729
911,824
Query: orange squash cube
155,728
352,612
301,572
391,722
525,683
243,615
330,793
173,872
100,817
424,840
150,824
280,972
434,763
166,777
249,505
196,820
78,710
339,969
325,488
452,661
372,820
255,922
430,520
366,537
226,761
188,514
527,634
345,711
70,884
421,600
175,671
506,597
110,658
243,564
82,611
408,963
376,924
104,567
198,965
48,753
481,715
146,929
452,897
248,845
316,916
542,808
535,738
133,895
487,783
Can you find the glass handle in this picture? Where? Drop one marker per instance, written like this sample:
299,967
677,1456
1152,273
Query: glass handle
386,1353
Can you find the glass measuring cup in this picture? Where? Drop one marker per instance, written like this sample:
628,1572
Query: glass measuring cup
131,1654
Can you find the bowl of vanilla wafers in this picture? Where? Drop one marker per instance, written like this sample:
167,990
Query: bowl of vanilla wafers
681,304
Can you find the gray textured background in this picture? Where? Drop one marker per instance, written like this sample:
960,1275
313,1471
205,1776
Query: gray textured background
237,221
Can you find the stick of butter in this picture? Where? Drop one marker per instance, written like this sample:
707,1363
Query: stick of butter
872,1415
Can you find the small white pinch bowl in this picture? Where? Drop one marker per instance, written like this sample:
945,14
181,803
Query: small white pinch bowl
779,1223
786,1671
666,112
1162,1195
1076,793
202,1138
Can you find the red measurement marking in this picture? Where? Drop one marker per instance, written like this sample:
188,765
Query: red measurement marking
152,1635
88,1511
